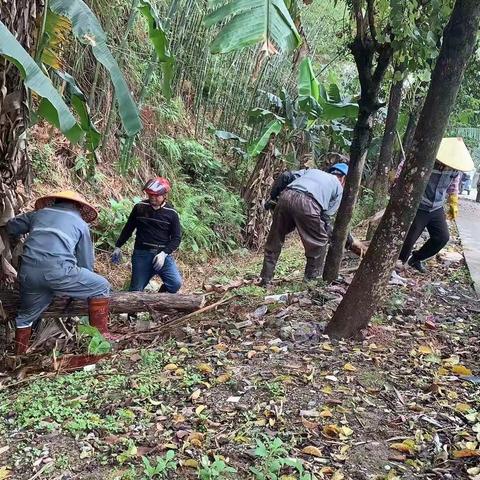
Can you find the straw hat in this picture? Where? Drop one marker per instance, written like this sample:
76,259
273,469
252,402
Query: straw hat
454,154
88,213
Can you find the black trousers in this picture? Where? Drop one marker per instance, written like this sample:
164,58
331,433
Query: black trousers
436,224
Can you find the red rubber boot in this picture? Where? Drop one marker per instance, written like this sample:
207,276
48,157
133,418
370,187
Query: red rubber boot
98,313
22,339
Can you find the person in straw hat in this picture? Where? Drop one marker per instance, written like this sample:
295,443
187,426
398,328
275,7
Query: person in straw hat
453,157
57,260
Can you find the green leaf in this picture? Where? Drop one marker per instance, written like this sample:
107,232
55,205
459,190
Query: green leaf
335,111
258,114
308,85
224,135
88,31
248,22
158,37
273,128
52,106
79,103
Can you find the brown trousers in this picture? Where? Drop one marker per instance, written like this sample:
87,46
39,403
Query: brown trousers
296,210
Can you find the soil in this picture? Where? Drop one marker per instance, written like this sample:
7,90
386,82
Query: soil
401,403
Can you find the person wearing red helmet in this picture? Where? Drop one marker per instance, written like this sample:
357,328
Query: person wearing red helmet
158,235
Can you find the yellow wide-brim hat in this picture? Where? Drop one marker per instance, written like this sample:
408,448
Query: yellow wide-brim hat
87,211
454,154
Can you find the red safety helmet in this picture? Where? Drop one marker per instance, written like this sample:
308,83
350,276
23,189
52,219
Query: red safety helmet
157,186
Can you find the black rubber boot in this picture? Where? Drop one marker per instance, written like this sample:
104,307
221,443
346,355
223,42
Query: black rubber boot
268,269
163,289
417,264
312,269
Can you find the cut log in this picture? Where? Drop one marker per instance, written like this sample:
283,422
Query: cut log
120,302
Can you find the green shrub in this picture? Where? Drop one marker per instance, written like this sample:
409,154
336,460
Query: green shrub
198,162
111,220
42,161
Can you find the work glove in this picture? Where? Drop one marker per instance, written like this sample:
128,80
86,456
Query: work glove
116,256
159,260
358,248
452,211
270,205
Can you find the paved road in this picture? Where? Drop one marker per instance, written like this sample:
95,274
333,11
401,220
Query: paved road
468,223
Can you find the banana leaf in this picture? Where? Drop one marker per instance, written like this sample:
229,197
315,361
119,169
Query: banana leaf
79,104
257,115
273,128
308,85
52,106
55,35
158,37
88,31
249,22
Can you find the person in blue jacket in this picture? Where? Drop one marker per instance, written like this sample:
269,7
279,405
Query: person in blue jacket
57,260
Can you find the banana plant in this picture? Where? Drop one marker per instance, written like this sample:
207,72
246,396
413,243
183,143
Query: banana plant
63,17
250,22
315,109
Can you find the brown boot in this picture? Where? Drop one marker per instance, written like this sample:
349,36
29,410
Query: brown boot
22,338
98,313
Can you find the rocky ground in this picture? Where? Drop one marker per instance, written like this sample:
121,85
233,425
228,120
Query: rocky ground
254,390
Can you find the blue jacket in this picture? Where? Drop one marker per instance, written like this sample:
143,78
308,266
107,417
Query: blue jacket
57,235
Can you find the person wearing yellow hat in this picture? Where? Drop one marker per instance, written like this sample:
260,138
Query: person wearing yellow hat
453,157
57,260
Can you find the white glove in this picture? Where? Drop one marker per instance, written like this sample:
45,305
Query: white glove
159,260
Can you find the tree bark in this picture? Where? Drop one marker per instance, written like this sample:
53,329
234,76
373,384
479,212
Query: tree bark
380,183
258,186
120,302
368,287
364,51
19,16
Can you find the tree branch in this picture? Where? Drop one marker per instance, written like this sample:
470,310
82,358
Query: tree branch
371,22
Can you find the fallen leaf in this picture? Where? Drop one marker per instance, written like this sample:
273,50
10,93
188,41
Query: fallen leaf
4,472
179,372
461,370
331,430
275,349
204,368
251,353
326,412
200,409
190,463
194,396
170,367
4,449
196,439
467,453
463,407
338,475
345,432
233,399
425,349
349,367
308,424
178,418
328,347
401,447
313,451
223,378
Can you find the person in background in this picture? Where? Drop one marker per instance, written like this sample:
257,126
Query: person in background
452,158
57,260
305,200
158,235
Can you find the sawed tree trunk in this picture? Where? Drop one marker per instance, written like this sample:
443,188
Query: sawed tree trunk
369,284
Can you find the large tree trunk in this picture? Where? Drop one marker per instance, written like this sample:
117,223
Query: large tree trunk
380,183
19,16
364,51
120,302
369,284
478,190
